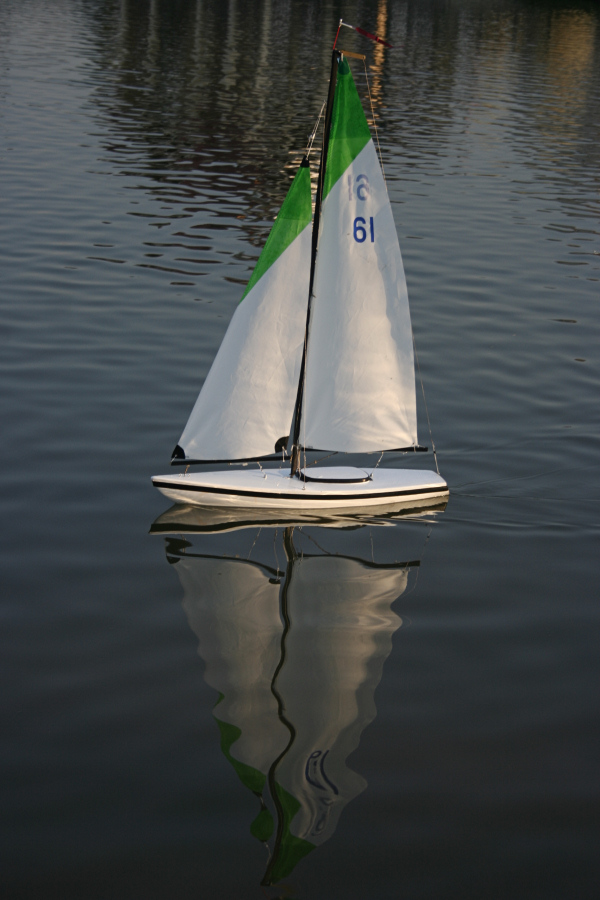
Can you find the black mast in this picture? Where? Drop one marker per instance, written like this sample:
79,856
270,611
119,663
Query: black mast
335,57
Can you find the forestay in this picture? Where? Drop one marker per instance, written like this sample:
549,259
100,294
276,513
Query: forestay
247,401
360,384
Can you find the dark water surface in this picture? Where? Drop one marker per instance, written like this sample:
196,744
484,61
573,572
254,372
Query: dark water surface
145,150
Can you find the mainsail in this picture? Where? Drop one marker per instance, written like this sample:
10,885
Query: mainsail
359,394
247,401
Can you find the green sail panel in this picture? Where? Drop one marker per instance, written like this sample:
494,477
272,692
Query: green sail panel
349,129
247,401
294,216
250,777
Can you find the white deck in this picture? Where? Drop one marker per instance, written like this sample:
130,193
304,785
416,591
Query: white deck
275,489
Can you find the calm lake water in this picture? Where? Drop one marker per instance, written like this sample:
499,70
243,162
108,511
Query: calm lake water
423,692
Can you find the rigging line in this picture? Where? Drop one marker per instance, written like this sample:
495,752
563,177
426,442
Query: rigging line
303,420
337,33
275,549
304,411
414,587
424,400
370,474
298,412
254,542
316,543
313,133
308,150
374,123
322,459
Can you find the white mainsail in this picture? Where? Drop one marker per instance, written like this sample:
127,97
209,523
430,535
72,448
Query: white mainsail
247,401
360,383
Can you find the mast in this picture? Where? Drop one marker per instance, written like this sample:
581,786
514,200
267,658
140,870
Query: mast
335,57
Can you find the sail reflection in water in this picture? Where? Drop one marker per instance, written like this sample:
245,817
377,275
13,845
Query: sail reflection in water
294,639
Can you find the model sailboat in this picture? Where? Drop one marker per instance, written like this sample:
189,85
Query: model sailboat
319,353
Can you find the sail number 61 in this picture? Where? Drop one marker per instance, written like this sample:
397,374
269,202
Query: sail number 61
360,231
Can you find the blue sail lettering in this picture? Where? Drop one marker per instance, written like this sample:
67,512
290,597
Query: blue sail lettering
360,232
362,187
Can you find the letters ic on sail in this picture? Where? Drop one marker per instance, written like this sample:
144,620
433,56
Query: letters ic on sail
247,401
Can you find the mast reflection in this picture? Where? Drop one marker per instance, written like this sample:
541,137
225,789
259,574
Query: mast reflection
294,623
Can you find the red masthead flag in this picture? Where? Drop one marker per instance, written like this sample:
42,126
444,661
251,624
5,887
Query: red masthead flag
364,33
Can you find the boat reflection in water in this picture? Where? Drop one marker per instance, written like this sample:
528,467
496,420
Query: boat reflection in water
294,623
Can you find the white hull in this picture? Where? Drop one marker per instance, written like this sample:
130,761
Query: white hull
275,489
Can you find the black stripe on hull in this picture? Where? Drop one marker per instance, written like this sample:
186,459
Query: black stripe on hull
301,495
